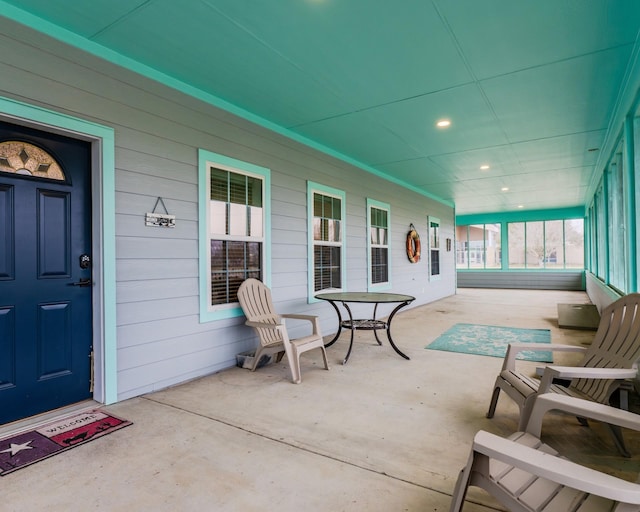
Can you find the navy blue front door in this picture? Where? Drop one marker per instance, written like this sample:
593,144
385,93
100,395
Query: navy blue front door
45,271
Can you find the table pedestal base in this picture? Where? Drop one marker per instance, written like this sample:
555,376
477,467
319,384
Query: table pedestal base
365,324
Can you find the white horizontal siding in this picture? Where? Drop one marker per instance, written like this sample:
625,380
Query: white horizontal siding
172,327
131,291
134,226
143,269
151,187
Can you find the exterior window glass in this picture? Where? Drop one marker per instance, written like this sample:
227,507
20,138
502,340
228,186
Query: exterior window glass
327,228
493,245
434,246
378,242
601,234
515,233
236,229
574,243
479,246
616,224
592,254
552,244
534,244
462,247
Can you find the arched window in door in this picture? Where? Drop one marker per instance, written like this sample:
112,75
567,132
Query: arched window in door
28,160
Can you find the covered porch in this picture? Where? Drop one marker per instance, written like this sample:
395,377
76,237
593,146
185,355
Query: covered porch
378,434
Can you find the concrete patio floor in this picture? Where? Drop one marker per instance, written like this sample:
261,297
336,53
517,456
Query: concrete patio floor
378,434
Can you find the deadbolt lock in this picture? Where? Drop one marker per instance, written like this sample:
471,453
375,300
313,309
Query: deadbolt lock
85,261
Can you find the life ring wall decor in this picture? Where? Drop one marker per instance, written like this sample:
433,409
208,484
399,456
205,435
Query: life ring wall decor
413,245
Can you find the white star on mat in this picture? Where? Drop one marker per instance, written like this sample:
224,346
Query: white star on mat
15,448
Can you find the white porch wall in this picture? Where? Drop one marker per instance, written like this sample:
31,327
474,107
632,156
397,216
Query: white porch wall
158,131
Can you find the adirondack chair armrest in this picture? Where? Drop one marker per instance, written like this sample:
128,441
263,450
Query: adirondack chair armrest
315,320
556,469
311,318
578,407
264,325
513,349
580,372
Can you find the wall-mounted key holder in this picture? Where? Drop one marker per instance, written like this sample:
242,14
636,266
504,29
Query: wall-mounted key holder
160,220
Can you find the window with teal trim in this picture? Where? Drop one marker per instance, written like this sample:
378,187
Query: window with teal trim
601,234
574,243
552,244
591,223
516,244
236,230
378,241
327,242
233,230
617,225
478,246
434,247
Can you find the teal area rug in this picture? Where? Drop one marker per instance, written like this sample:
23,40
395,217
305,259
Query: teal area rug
492,340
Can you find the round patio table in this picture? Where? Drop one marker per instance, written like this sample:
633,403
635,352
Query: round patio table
371,324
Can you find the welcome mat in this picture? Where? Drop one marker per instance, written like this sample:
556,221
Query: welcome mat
492,340
45,441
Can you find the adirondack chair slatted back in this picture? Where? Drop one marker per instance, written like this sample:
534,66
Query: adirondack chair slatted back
255,300
615,345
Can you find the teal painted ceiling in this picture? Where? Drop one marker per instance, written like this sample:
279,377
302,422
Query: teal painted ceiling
529,86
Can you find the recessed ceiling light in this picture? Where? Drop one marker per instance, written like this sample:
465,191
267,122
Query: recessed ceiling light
504,189
520,206
484,167
443,123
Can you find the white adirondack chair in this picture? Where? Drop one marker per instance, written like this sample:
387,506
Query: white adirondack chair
611,358
525,475
255,299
